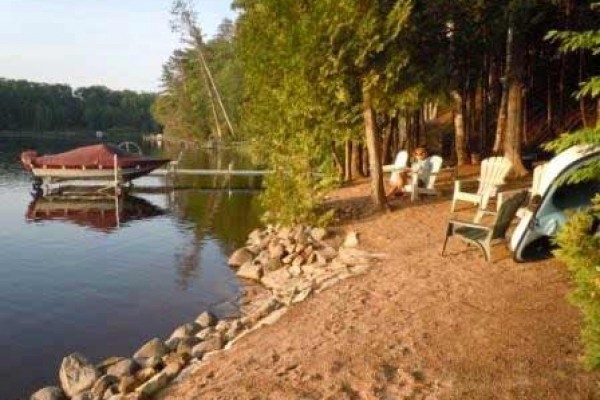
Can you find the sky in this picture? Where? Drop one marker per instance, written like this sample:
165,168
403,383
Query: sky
121,44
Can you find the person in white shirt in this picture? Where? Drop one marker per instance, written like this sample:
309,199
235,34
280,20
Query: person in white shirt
421,166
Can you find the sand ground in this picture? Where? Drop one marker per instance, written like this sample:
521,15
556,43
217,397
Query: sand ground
416,326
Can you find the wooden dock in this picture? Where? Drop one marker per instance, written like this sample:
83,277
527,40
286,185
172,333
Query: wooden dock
209,172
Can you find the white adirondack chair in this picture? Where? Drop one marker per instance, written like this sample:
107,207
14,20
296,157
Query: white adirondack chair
429,189
493,174
399,165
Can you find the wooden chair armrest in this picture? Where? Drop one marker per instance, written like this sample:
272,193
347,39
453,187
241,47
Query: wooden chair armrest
393,168
470,224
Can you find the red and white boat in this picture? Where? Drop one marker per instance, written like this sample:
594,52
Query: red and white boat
95,162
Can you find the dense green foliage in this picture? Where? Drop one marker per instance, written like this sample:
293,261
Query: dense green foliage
579,243
579,238
338,87
30,106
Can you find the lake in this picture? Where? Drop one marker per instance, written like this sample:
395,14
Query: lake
85,277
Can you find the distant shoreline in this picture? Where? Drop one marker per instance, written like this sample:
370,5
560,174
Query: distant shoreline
84,134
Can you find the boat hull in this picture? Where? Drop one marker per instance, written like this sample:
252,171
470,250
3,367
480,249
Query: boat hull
94,174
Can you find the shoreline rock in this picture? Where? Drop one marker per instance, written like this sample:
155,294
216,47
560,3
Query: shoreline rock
289,263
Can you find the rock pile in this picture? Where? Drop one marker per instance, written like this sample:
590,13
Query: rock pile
291,263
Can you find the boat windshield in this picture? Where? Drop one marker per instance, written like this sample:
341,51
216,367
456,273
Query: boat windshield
575,196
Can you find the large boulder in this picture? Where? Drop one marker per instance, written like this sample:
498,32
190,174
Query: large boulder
122,368
77,374
206,319
185,345
235,328
127,384
150,354
48,393
250,271
103,384
153,385
255,237
107,363
284,233
240,257
318,234
206,333
216,343
276,279
276,250
87,395
186,330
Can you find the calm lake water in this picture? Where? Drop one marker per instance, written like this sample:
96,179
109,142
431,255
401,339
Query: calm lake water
71,280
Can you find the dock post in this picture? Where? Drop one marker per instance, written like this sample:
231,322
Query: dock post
229,178
116,169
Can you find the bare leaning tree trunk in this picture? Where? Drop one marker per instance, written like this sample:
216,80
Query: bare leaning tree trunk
377,189
460,143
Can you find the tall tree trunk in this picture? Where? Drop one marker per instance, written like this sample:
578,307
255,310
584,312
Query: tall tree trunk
336,160
549,102
372,140
386,142
561,94
402,132
582,110
347,160
356,159
364,160
393,146
483,99
460,144
598,112
515,60
501,125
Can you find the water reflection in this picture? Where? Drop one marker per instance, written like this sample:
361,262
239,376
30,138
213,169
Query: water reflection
103,291
99,214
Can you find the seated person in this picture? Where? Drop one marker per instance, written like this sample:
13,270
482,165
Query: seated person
421,167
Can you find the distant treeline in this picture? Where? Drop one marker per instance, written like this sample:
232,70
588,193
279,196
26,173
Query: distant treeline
31,106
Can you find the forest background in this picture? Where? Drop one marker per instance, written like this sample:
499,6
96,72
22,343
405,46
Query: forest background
42,107
338,87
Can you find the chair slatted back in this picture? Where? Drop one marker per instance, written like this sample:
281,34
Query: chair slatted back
436,165
401,159
493,173
538,172
507,212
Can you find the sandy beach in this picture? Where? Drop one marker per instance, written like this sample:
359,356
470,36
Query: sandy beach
415,326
